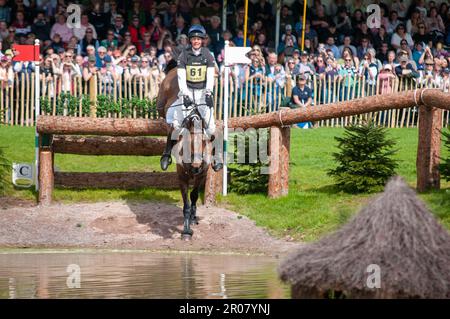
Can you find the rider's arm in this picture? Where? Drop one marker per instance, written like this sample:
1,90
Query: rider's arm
181,73
210,72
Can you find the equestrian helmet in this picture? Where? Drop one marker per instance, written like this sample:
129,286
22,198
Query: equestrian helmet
197,30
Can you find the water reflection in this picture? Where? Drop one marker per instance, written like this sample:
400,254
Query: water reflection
138,275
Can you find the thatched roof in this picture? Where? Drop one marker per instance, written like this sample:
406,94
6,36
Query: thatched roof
397,233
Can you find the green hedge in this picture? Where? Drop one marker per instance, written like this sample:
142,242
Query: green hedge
67,104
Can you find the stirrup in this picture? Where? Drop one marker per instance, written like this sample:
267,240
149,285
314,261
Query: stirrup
217,167
165,161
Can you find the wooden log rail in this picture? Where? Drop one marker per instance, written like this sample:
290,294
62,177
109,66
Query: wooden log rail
108,145
66,125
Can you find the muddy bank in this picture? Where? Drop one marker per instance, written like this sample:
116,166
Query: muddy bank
132,225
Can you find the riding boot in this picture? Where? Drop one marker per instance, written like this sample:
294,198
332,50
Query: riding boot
216,165
166,158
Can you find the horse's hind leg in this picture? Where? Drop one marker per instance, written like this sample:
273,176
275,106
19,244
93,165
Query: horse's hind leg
194,198
187,231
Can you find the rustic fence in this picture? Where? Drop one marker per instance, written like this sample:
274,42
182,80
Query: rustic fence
135,98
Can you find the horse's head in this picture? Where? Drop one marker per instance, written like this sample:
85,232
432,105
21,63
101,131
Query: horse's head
193,144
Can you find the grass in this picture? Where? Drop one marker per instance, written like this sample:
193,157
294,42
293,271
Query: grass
313,208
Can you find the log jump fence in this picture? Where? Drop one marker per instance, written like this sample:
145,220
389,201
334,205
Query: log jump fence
115,136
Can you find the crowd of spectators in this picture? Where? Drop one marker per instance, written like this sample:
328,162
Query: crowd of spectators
143,38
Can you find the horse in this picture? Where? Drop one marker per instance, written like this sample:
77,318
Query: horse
195,166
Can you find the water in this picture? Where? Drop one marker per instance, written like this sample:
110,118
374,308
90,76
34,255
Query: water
138,275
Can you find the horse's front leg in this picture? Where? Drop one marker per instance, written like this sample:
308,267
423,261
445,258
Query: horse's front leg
194,198
187,231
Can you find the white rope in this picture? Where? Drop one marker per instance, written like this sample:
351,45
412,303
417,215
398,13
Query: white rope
421,96
415,97
281,121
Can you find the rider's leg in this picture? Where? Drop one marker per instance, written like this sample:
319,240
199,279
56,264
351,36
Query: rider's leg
166,158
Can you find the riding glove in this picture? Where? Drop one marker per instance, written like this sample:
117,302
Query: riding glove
209,100
187,101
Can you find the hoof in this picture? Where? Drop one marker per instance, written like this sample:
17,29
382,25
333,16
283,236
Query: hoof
186,237
194,220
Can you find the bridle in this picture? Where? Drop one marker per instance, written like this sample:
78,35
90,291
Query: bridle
192,117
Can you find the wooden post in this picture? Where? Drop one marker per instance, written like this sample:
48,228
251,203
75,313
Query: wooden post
428,149
46,176
275,182
284,159
93,95
213,186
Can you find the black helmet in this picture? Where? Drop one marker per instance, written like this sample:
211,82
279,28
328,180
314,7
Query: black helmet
197,31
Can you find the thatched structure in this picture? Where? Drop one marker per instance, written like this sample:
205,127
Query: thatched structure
397,233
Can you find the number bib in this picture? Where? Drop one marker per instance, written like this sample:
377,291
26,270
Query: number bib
196,73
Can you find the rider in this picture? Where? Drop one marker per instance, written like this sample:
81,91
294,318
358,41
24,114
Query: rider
195,73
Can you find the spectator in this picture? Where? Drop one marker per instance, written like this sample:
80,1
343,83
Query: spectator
347,44
288,33
6,73
263,11
382,54
126,43
369,70
40,27
136,30
399,7
386,79
400,35
405,69
84,25
171,16
137,12
321,22
5,11
107,76
412,25
156,30
133,71
434,22
343,23
422,35
331,45
61,28
90,68
88,40
119,28
380,37
301,94
4,31
214,31
110,41
21,25
110,18
426,77
239,39
57,43
179,28
347,74
393,22
99,19
286,17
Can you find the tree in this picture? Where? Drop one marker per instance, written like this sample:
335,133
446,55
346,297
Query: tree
364,159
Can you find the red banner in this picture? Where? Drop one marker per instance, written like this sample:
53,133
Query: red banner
25,52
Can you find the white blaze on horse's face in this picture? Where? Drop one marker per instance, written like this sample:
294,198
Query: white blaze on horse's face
196,43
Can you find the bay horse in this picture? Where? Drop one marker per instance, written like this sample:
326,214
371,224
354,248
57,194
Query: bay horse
194,163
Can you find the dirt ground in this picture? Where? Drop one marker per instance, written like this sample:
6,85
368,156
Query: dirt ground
131,225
